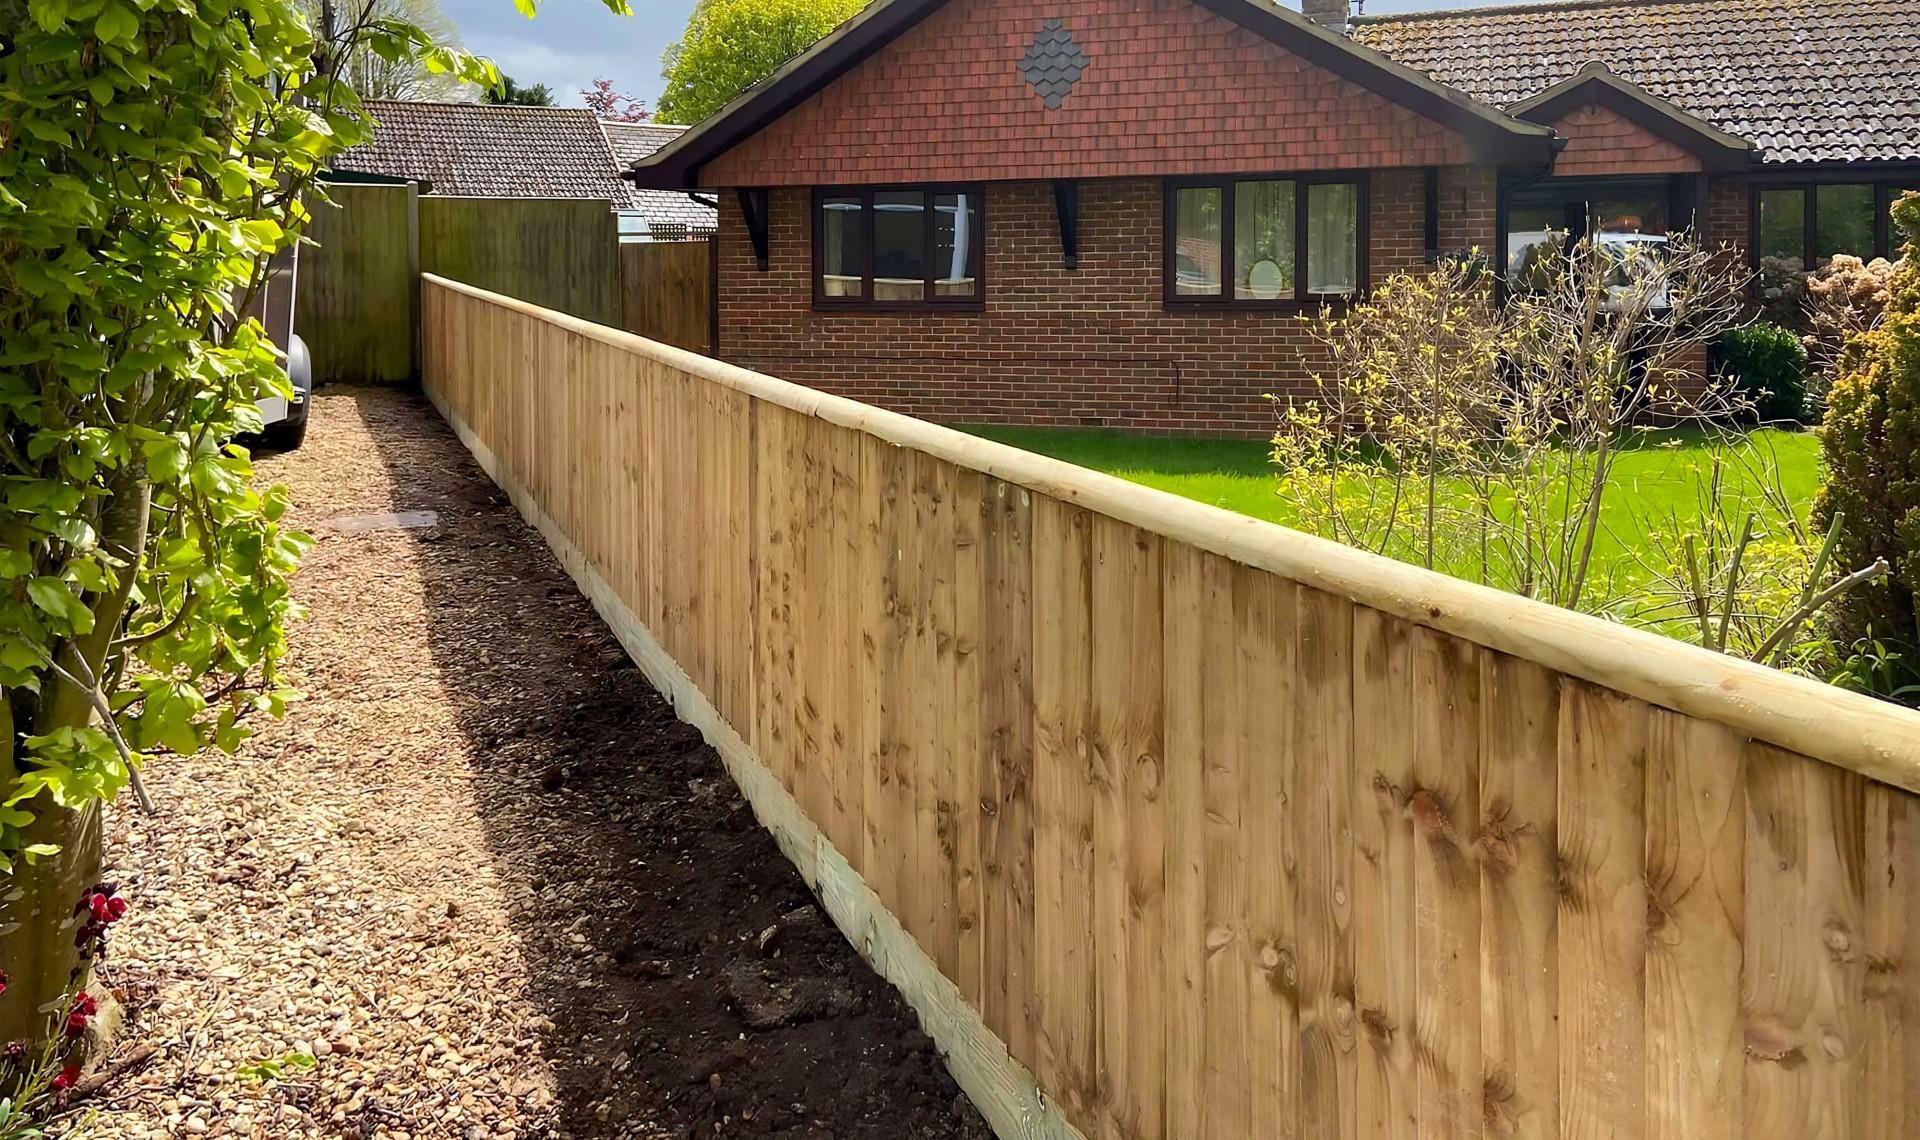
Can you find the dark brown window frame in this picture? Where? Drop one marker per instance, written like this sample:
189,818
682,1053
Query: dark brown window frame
976,250
1301,301
1884,194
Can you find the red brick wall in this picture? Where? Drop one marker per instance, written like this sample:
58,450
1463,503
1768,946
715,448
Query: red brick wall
1603,142
1169,88
1729,206
1091,347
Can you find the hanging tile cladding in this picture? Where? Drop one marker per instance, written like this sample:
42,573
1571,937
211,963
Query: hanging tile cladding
1601,142
1168,88
1090,347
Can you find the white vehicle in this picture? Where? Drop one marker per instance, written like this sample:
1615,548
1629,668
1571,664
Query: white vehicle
1634,256
285,420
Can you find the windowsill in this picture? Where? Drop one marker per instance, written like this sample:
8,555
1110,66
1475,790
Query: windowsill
1335,302
853,307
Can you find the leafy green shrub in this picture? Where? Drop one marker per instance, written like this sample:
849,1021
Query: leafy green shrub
1768,367
1871,441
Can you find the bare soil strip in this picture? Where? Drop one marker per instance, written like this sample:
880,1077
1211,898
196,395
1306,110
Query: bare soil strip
481,873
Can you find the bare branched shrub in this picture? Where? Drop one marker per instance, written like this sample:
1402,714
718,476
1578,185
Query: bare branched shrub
1481,436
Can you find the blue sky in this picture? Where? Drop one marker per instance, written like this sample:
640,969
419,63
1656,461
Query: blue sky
572,42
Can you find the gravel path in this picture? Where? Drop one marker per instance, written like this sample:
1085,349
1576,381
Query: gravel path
480,873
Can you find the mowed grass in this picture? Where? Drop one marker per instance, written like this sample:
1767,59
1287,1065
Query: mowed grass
1655,478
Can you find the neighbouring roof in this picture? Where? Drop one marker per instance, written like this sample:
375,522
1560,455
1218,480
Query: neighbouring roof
1500,137
1803,80
488,150
632,142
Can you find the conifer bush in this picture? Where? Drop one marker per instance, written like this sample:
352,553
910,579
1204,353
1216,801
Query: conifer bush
1871,441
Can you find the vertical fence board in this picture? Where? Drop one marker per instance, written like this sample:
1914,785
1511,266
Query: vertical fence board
1184,911
1893,955
1063,806
1383,886
1230,961
1805,969
1266,627
1322,827
1696,873
1445,809
1519,896
965,728
1126,698
1603,913
1007,769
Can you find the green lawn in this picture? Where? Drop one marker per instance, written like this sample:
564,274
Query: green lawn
1235,474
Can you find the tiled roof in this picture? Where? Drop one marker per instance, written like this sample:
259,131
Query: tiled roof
487,150
632,141
1804,80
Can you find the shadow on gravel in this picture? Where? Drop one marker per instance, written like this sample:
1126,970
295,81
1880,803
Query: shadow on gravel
691,981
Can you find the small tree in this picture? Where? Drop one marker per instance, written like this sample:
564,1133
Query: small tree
1871,441
1480,438
730,45
153,157
613,106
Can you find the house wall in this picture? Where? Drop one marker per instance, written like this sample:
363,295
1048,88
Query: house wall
1729,212
1095,346
1168,88
1603,142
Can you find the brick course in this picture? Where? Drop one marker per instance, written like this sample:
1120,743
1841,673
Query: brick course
1169,88
1094,346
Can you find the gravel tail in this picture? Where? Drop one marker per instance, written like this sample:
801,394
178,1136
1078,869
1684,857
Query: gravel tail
480,875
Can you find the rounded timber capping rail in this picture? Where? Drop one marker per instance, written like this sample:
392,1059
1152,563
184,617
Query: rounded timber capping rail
1846,729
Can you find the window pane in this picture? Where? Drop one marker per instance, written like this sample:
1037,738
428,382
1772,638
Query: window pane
1843,221
1263,231
900,245
1333,238
956,222
1630,216
1536,240
843,246
1783,224
1196,245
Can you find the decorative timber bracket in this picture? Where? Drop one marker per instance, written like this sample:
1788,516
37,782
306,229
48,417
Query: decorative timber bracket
753,208
1066,207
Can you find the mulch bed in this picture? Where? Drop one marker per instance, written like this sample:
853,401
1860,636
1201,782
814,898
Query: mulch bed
481,872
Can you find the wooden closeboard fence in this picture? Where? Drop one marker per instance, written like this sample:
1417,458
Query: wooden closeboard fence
666,292
1173,823
561,253
355,296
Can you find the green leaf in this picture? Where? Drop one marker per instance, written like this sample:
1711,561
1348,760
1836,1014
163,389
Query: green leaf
48,14
117,23
528,8
54,599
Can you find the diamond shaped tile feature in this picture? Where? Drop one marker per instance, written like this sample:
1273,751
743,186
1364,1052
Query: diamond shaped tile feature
1053,63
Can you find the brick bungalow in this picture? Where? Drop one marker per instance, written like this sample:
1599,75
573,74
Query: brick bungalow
1114,212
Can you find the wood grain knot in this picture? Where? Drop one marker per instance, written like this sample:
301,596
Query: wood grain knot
1838,941
1379,1028
1429,814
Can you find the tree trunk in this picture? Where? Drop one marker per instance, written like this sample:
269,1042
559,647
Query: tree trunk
37,919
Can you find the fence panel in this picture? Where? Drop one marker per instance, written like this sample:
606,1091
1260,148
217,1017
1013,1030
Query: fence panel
1172,823
355,296
558,253
666,291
